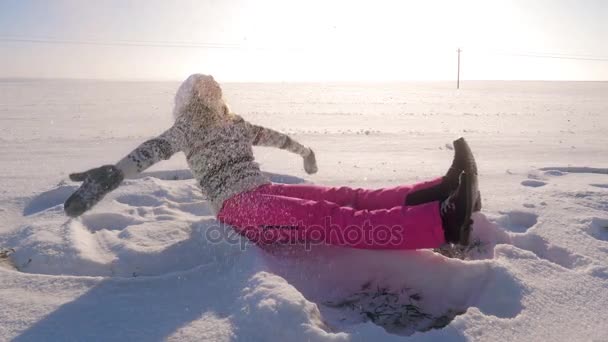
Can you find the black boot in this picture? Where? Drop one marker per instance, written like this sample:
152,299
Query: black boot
449,182
456,212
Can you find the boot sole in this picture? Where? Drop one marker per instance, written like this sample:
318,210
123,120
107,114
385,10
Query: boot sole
470,168
465,229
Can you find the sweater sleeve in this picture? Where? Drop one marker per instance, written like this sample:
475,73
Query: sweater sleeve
263,136
151,152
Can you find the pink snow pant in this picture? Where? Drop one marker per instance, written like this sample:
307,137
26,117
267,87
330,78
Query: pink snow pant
358,218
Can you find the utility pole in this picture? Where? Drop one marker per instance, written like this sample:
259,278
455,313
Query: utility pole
458,79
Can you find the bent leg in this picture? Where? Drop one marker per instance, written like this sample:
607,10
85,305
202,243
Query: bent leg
267,219
357,198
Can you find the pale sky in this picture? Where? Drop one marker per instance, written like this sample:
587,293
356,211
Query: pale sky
325,40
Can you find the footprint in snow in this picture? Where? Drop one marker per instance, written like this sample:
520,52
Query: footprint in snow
603,186
517,221
575,169
598,228
533,183
591,199
487,235
555,173
139,200
547,251
109,221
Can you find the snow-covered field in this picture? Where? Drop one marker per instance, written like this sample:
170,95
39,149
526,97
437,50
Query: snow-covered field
146,264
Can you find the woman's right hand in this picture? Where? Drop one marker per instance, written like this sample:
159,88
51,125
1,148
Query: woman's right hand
96,184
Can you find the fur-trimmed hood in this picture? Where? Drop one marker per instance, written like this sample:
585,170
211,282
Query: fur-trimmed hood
200,95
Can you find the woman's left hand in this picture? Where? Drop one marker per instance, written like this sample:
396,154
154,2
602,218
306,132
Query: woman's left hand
310,163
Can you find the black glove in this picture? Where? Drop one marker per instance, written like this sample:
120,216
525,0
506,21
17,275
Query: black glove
97,183
310,163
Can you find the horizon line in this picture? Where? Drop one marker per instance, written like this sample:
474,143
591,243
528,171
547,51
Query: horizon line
143,80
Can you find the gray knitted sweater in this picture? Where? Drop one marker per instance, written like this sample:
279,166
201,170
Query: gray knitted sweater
219,154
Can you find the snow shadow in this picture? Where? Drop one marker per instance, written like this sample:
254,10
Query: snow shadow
49,199
143,309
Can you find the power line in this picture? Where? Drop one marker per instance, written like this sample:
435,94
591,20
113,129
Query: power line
532,54
199,45
123,43
605,59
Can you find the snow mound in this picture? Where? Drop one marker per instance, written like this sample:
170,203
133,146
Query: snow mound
154,237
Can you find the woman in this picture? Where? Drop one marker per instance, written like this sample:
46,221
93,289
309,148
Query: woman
218,148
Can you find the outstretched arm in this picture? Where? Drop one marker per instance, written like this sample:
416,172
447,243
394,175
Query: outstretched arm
99,181
263,136
149,153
